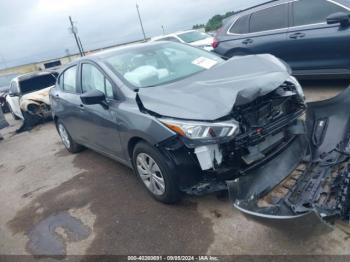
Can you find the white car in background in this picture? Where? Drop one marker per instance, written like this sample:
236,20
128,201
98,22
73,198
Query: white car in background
29,95
191,37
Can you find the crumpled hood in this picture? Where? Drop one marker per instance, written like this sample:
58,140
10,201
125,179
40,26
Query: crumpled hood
212,93
38,96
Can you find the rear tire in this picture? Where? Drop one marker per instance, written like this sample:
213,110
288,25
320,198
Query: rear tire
67,140
155,174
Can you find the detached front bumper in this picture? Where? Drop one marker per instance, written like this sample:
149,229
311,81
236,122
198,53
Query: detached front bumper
312,175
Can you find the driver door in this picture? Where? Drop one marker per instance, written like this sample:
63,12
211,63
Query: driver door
312,43
99,123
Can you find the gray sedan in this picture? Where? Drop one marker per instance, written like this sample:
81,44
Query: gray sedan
187,121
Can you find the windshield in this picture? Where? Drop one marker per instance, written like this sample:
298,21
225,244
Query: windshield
193,36
158,64
37,83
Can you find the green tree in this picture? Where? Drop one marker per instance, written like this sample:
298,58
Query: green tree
215,22
199,26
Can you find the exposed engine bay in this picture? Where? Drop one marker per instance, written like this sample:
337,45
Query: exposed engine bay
29,98
312,175
37,103
267,125
35,108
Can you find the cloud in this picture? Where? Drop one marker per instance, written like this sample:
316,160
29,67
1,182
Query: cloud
35,30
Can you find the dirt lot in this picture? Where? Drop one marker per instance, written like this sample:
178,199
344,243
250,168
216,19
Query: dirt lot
53,202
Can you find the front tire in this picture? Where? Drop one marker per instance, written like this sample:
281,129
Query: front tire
67,140
155,174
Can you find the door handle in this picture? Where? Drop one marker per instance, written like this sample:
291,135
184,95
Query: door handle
247,41
297,35
81,106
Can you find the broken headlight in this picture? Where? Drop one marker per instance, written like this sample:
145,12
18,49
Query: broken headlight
202,130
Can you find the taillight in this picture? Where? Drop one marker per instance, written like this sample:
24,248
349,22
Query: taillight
215,43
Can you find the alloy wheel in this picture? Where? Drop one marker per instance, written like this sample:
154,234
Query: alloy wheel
150,174
64,135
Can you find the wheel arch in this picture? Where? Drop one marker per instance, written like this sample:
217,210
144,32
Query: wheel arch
132,143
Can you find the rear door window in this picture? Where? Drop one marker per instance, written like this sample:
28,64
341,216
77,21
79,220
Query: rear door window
241,26
92,78
69,80
306,12
271,18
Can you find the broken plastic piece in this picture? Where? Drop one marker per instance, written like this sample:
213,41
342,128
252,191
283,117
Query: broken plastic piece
208,156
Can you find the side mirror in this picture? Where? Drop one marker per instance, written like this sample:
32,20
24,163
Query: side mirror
93,97
338,18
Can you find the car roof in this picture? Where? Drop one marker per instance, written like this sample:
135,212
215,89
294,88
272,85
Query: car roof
267,3
230,19
172,34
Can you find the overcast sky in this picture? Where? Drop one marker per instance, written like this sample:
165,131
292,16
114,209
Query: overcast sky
34,30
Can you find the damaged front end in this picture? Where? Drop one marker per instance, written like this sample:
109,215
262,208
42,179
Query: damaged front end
230,119
312,175
35,108
209,154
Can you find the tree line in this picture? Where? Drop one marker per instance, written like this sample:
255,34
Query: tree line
214,23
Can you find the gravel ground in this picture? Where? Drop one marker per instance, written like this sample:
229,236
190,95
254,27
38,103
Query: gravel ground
55,203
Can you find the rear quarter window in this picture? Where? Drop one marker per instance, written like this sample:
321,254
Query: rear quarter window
241,26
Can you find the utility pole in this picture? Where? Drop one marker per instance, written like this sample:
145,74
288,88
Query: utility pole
143,31
75,33
81,46
163,29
